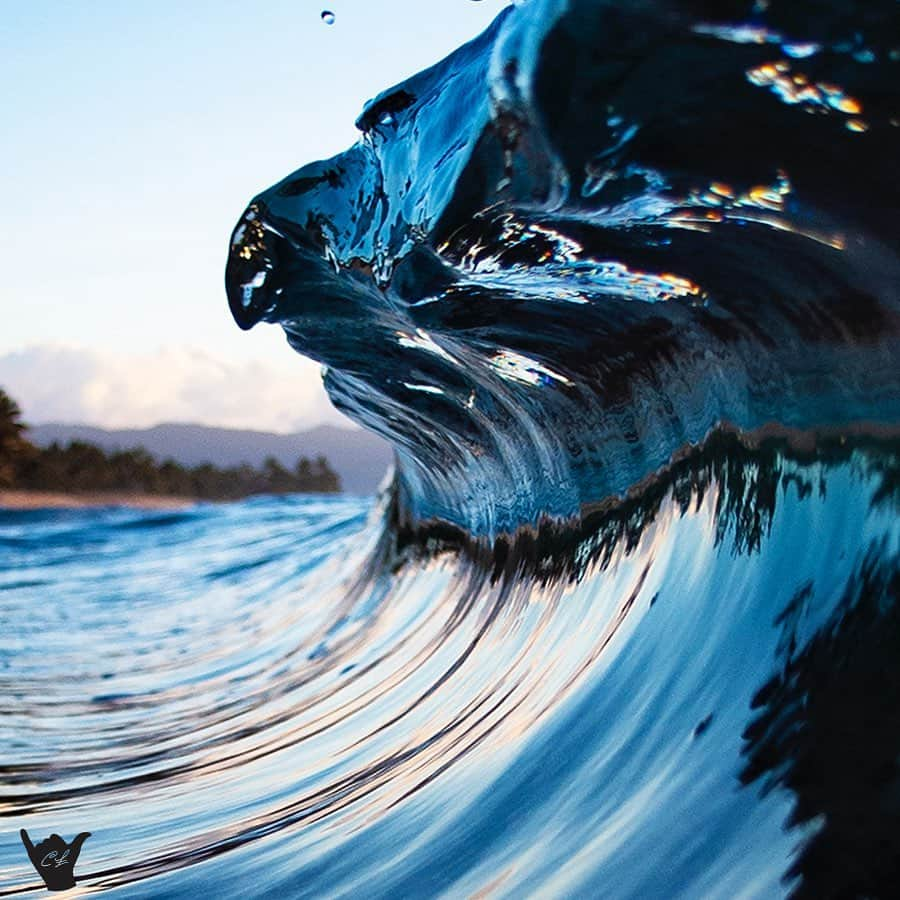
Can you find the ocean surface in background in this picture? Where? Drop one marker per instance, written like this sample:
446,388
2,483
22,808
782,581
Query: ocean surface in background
620,282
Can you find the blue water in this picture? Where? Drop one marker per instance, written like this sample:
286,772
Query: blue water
620,284
236,699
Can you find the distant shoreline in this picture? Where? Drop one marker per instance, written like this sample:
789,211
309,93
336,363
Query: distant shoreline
12,499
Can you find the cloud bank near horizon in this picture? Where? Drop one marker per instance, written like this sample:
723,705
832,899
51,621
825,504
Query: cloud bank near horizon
55,383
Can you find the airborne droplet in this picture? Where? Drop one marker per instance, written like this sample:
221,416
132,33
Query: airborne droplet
328,17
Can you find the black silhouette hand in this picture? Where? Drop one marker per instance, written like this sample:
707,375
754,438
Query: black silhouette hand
54,859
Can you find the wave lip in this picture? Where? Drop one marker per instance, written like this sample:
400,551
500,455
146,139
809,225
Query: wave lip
591,236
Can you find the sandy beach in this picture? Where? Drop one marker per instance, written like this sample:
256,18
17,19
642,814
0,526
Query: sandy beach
53,500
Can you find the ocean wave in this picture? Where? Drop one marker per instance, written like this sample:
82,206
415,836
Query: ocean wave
619,282
591,236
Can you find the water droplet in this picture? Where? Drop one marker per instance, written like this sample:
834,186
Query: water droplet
328,17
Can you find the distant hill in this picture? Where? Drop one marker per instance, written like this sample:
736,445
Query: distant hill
359,457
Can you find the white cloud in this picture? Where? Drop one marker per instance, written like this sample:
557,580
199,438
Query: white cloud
57,383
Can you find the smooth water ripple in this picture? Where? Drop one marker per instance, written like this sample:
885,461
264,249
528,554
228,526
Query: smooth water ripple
245,697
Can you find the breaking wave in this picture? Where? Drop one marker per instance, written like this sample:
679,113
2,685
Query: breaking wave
619,281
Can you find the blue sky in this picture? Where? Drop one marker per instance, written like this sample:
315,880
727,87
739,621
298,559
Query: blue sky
135,135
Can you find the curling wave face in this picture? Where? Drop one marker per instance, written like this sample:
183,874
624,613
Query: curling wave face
591,236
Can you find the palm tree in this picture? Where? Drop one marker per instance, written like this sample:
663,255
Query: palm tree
10,416
14,449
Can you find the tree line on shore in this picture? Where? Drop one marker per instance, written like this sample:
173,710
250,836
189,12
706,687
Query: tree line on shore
81,467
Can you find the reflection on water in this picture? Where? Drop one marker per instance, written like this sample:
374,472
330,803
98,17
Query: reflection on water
828,729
